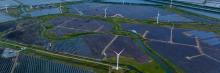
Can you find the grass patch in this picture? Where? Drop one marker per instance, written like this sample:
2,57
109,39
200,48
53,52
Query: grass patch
5,45
14,12
149,67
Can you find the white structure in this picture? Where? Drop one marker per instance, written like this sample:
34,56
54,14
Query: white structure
171,3
60,8
158,16
105,11
50,44
123,2
118,58
6,7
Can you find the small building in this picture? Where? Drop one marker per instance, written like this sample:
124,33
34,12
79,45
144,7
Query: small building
134,31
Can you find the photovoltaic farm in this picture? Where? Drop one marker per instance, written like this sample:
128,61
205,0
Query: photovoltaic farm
127,11
31,64
29,35
209,39
66,25
200,19
5,63
131,50
149,32
180,36
9,2
177,55
94,47
16,25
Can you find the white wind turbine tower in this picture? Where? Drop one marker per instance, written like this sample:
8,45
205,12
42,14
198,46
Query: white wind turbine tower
123,2
171,3
105,11
118,58
60,8
158,16
6,7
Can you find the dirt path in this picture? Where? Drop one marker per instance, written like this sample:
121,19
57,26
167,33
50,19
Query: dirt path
145,34
75,8
99,29
63,56
73,28
171,35
74,58
103,51
15,61
66,22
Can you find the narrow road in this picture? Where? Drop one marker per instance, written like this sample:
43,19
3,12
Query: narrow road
145,34
73,58
73,28
66,22
99,29
171,35
63,55
196,56
103,51
15,61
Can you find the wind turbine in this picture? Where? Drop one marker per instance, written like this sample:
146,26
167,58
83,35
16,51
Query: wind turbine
171,3
123,2
118,58
105,11
60,8
6,7
158,16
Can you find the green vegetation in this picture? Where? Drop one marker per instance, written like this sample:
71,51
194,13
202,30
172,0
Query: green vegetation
149,67
14,12
5,45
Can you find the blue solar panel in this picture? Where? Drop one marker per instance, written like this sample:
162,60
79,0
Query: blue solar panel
199,33
210,40
209,33
208,36
214,43
192,31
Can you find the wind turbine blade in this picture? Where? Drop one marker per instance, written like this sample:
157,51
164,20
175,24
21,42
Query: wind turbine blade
116,52
121,51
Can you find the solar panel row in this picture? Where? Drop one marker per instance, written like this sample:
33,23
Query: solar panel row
210,40
214,43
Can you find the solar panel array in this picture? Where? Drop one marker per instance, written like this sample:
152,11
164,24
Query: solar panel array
31,64
208,37
67,25
128,11
9,2
5,63
75,46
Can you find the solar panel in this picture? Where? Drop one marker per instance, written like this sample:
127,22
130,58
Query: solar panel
209,33
199,33
192,31
210,40
214,43
208,36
